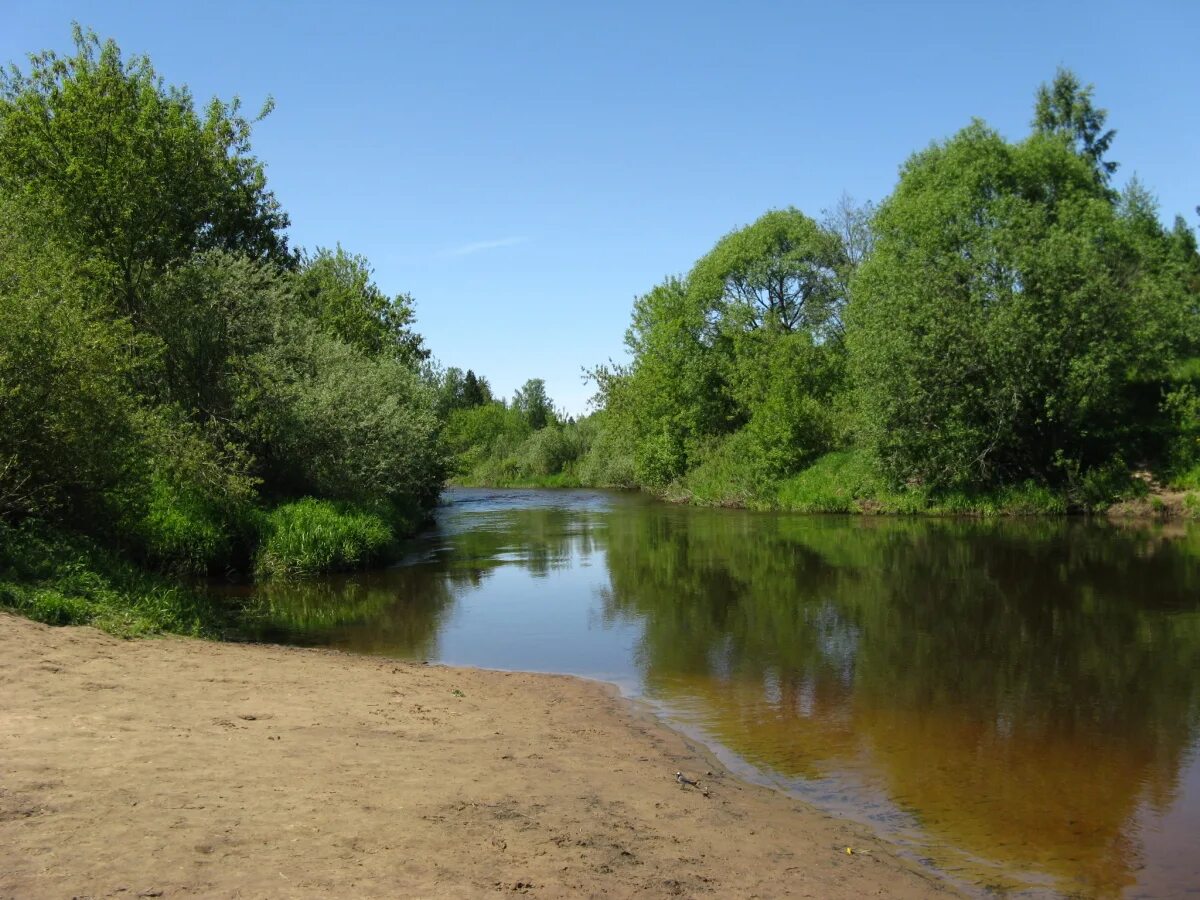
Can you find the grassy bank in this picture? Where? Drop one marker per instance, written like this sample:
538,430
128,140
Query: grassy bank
846,482
54,576
62,579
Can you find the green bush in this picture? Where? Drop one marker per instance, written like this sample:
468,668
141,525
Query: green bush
549,451
188,532
311,536
608,461
728,472
335,423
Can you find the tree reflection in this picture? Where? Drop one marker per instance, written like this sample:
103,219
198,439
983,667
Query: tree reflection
1019,686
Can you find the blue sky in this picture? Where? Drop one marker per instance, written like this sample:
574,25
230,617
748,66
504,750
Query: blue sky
526,169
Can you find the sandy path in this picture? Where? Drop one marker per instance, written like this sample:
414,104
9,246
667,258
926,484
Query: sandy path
184,768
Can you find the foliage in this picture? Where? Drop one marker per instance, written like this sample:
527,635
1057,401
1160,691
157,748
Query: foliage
64,579
69,428
310,536
336,289
457,391
1064,108
337,424
780,273
126,172
996,323
532,402
168,369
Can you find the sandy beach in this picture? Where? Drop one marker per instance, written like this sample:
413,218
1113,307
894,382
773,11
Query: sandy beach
172,767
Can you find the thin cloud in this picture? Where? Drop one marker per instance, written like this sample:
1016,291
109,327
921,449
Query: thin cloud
480,246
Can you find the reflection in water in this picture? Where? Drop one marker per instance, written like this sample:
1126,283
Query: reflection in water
1014,700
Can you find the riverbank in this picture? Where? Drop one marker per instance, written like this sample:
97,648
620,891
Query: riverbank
172,767
815,494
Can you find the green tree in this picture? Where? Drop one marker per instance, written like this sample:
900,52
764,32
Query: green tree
476,390
1064,107
125,172
779,273
532,401
671,396
337,290
1000,316
333,422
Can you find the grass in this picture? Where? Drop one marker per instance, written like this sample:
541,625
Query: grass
1187,480
63,579
846,482
312,536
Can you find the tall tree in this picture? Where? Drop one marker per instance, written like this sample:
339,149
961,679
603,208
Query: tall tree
337,289
1064,107
997,324
778,273
532,401
126,172
475,390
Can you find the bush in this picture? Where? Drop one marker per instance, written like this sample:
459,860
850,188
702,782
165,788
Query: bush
608,461
335,423
728,472
311,536
835,483
188,532
69,422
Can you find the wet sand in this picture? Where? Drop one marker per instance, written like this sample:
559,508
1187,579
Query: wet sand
174,768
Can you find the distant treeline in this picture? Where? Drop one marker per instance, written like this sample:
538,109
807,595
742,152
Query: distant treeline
1006,332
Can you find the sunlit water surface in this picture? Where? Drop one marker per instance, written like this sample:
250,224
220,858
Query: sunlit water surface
1015,703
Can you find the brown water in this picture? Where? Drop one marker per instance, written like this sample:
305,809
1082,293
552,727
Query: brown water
1015,703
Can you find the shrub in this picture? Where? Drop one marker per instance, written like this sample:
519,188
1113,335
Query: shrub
336,423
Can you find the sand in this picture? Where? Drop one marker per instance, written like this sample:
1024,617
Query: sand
171,767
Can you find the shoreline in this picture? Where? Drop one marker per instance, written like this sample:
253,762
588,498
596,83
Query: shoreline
1156,507
174,766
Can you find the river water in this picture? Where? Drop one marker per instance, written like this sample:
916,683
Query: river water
1014,703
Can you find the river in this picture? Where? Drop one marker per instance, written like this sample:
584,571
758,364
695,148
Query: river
1016,704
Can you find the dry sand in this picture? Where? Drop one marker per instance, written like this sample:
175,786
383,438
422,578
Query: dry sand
173,767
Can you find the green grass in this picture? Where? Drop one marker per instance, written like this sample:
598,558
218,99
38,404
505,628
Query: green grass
846,482
1187,480
839,482
63,579
312,536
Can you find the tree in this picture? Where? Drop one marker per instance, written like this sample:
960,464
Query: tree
334,422
125,172
337,290
779,273
534,404
996,325
850,223
476,390
671,395
1065,108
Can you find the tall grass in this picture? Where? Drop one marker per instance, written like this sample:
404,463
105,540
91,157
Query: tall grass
311,536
